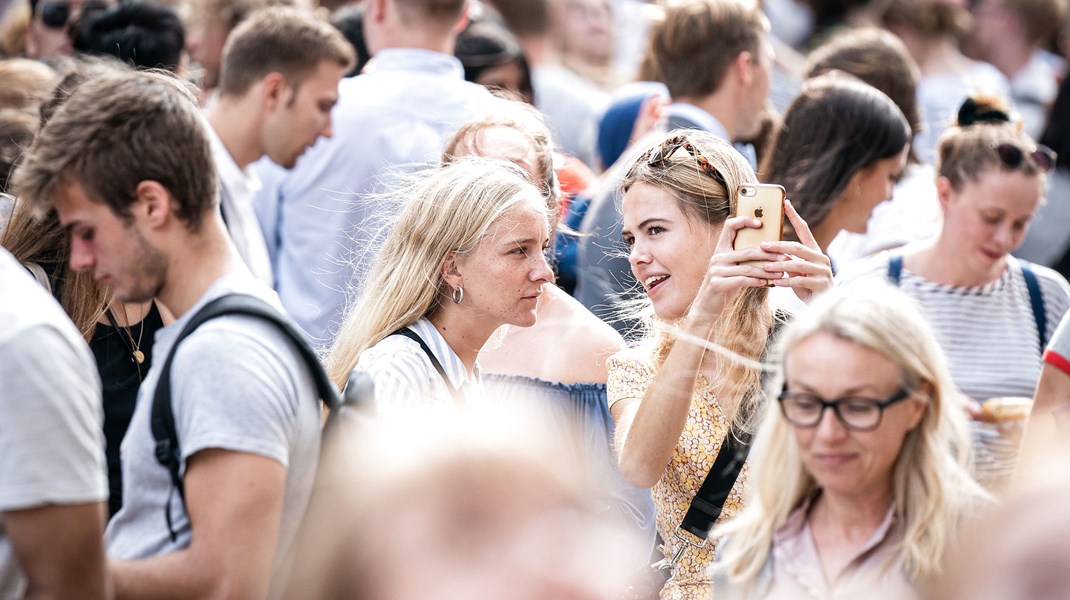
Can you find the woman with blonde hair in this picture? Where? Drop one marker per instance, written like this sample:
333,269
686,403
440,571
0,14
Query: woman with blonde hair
675,402
866,499
991,313
464,258
558,365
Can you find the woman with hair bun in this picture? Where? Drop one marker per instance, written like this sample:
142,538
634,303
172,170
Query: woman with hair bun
991,313
464,258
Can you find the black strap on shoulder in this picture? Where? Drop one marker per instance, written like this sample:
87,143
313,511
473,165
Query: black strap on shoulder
458,397
712,494
895,269
168,452
1036,302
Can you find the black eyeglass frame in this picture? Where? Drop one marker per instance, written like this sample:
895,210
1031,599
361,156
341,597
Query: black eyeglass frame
900,395
1012,156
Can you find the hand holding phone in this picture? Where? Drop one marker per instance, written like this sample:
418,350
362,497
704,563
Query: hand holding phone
764,202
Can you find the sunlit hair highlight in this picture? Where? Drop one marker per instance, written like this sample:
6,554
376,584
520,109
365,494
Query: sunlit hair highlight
932,487
447,211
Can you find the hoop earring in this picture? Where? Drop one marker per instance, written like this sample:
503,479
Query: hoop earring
457,295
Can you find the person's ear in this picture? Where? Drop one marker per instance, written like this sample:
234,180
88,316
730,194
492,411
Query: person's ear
944,191
464,19
918,408
376,10
451,271
743,66
31,40
274,91
154,202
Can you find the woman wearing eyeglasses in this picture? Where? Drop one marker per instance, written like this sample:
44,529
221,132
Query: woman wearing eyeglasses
992,313
859,480
675,398
978,297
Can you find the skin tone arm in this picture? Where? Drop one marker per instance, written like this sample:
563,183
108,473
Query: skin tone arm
60,549
234,501
649,429
1052,397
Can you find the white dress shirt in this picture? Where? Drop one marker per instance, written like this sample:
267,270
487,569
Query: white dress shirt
332,210
237,188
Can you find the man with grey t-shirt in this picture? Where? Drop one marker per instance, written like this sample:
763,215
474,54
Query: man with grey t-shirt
140,203
52,474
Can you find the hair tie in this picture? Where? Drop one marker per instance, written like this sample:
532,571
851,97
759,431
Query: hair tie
971,113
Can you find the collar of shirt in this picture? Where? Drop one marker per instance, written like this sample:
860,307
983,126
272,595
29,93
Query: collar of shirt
709,123
703,119
243,183
451,363
799,555
392,60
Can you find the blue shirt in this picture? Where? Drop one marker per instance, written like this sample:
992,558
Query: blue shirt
330,212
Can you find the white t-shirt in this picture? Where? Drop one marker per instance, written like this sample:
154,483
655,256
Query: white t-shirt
51,416
237,384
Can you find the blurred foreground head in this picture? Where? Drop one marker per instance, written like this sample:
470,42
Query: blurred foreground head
1020,550
479,506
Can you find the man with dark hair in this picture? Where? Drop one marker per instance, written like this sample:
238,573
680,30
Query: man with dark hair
127,165
396,117
52,474
281,69
142,34
53,24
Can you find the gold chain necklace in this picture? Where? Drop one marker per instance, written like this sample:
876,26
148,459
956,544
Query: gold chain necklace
127,337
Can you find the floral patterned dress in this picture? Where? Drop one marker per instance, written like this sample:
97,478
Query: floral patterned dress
630,374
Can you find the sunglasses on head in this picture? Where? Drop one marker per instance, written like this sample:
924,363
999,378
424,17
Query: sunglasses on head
56,15
659,157
1013,156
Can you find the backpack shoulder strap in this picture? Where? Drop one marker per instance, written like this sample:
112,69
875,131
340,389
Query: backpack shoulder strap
1036,302
162,419
458,397
895,269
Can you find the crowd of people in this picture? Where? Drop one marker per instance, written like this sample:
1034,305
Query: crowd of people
450,299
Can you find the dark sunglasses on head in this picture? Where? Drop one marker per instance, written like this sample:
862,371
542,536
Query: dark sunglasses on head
55,15
1013,156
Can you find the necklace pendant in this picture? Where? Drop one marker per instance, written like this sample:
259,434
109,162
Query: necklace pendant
139,356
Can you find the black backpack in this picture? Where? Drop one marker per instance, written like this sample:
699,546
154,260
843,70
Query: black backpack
168,450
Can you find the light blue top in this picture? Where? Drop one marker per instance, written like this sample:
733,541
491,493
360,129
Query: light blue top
324,218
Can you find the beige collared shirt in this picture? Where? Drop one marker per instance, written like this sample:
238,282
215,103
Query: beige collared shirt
793,569
875,572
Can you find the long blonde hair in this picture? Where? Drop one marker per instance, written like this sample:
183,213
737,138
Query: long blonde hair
447,212
932,487
744,327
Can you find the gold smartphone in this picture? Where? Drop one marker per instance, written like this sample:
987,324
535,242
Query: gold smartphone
765,202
